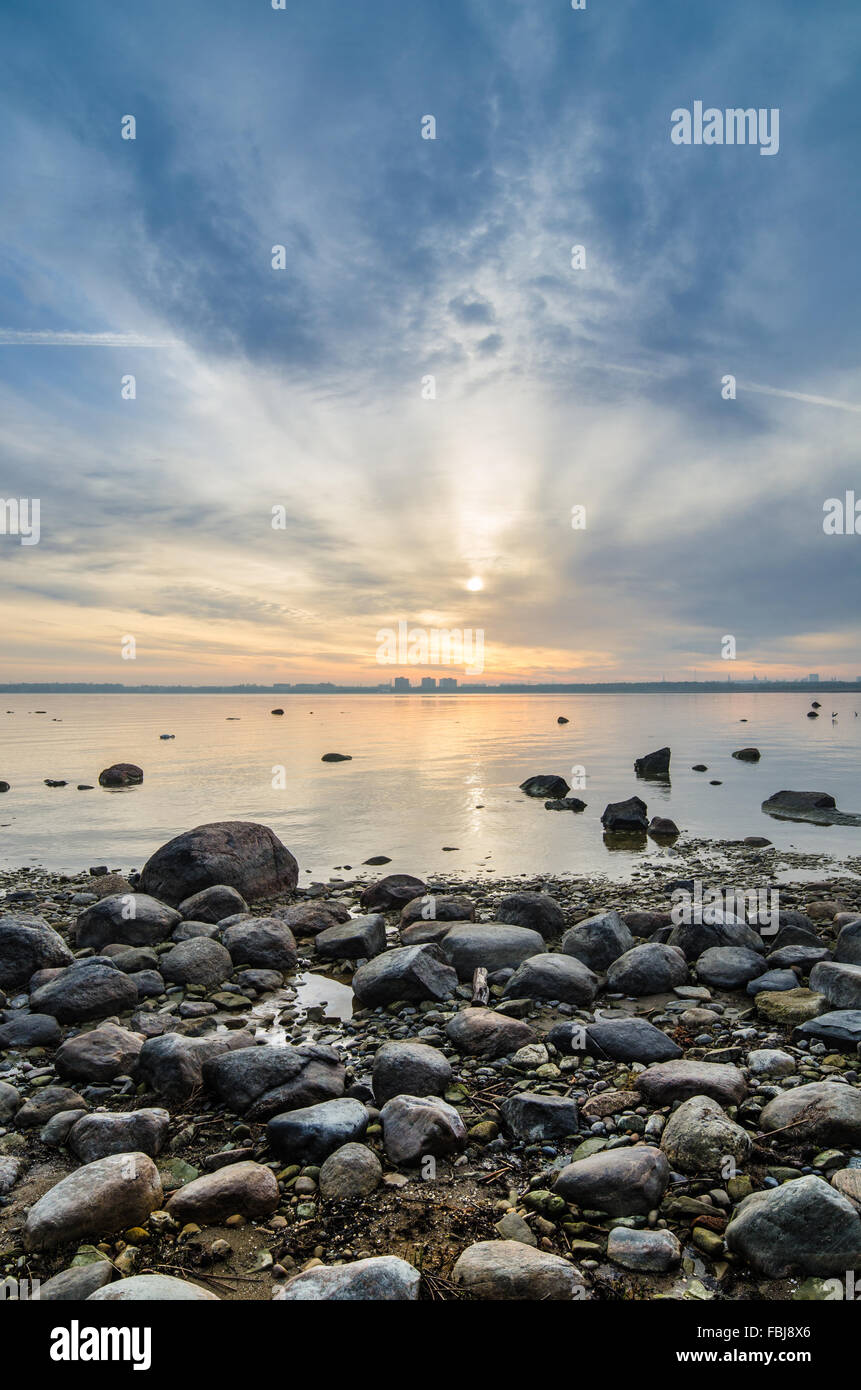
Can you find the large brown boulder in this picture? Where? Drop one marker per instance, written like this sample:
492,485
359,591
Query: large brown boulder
242,854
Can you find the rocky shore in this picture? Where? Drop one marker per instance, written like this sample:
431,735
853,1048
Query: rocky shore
215,1084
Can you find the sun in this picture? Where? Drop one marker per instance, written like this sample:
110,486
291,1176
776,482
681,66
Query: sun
475,583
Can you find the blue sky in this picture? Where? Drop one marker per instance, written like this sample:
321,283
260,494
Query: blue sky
406,258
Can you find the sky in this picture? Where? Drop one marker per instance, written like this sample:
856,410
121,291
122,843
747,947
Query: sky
429,386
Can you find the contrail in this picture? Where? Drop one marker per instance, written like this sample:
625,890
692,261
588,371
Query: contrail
12,337
800,396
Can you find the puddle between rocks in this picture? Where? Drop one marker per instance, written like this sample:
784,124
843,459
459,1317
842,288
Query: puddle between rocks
312,999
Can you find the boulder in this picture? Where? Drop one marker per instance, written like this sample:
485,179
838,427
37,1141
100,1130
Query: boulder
417,1126
109,1195
263,941
239,1189
679,1080
351,1172
311,1133
172,1065
138,1131
411,973
75,1284
393,891
307,919
121,775
87,989
260,1082
620,1040
662,828
490,944
438,907
841,1028
28,944
241,854
485,1033
730,967
823,1112
693,939
545,786
508,1270
553,977
802,1225
537,911
359,939
198,961
699,1137
409,1068
649,969
29,1030
804,957
646,1252
655,764
381,1279
537,1119
598,941
847,951
46,1102
626,817
99,1055
10,1102
213,904
129,919
622,1182
840,984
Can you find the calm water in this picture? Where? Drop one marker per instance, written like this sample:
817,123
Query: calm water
427,772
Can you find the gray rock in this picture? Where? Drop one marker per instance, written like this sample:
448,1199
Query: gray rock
490,944
213,904
652,1252
393,891
360,938
311,1133
545,786
383,1278
669,1081
87,989
109,1195
138,1131
438,907
802,1225
28,944
730,967
537,911
261,941
508,1270
598,941
100,1054
695,938
238,854
55,1132
626,817
537,1118
409,1068
411,973
841,984
417,1126
622,1182
10,1101
803,956
765,1061
29,1030
655,764
239,1189
485,1033
44,1103
10,1171
121,775
77,1283
148,983
649,969
128,919
152,1288
699,1137
773,980
841,1026
187,931
848,948
197,962
553,977
351,1172
621,1040
263,1081
172,1065
823,1112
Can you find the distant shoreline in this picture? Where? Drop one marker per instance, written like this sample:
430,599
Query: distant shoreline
801,687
